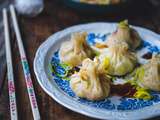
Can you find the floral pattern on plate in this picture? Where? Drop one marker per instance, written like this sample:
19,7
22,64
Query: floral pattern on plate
111,103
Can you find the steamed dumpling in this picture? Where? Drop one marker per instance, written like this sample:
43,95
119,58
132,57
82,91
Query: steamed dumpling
125,33
73,52
89,83
149,75
117,59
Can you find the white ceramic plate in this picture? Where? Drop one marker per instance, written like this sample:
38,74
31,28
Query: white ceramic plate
116,108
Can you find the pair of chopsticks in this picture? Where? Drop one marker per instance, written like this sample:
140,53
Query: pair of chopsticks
28,80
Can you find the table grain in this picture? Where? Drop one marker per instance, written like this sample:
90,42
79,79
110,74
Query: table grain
55,17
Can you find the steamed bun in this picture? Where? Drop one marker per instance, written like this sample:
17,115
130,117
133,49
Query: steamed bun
73,52
89,83
125,33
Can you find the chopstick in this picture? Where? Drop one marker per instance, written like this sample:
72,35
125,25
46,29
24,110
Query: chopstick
28,80
11,86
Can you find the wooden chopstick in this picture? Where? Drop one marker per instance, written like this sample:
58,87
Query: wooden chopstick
30,89
11,86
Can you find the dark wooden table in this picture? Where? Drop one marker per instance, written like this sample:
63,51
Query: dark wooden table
56,17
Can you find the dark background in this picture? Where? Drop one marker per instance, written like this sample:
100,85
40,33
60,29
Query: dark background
55,17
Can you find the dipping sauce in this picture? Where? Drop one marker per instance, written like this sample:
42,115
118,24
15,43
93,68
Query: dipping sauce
72,71
124,90
147,56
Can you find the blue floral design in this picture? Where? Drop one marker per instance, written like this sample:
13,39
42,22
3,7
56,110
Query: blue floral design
132,104
124,103
92,37
64,85
151,48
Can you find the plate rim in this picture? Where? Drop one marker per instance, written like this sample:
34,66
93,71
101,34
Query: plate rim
110,114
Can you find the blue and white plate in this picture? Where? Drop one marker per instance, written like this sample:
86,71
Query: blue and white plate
114,107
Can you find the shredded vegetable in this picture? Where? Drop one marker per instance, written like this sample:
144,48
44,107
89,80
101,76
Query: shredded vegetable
142,93
105,63
124,24
66,68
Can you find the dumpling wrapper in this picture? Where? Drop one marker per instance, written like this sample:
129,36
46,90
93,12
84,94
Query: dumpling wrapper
126,34
89,83
73,52
150,74
117,59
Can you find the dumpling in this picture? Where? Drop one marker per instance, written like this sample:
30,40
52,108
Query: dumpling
125,33
149,74
89,83
73,52
117,59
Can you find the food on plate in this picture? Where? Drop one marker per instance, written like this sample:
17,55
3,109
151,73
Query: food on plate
125,33
105,2
89,83
73,52
93,69
118,59
149,74
142,93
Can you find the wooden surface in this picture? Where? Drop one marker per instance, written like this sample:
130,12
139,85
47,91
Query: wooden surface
56,17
